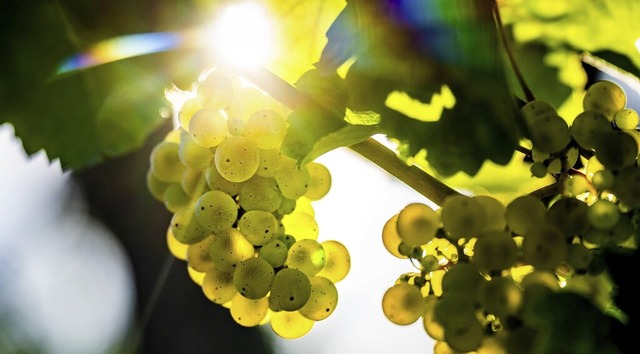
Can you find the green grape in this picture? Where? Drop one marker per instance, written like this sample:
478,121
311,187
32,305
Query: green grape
500,296
253,277
216,90
237,159
185,228
542,278
619,233
177,249
495,210
538,169
155,186
260,193
193,154
603,179
455,310
587,128
627,187
288,240
578,257
433,328
463,278
218,286
248,312
188,109
535,109
301,224
248,100
216,211
544,246
292,180
287,206
258,226
495,251
337,261
175,198
549,133
462,216
208,127
236,126
606,97
215,181
571,157
322,301
165,162
198,256
270,162
290,290
569,215
576,185
196,277
603,214
626,118
307,256
266,128
429,263
275,252
417,224
193,183
229,248
390,237
320,182
403,304
524,212
617,150
465,338
290,325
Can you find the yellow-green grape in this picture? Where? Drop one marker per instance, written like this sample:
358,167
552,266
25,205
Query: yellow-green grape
627,187
417,224
337,261
626,118
173,136
247,100
270,161
189,107
578,257
495,210
177,249
287,206
165,162
495,251
193,183
216,90
208,127
587,128
237,159
193,154
290,290
549,133
466,338
175,198
603,179
544,246
617,150
198,256
229,248
603,214
266,128
538,169
292,180
390,237
524,212
248,312
535,109
290,325
606,97
218,286
155,186
403,304
185,228
500,296
236,126
462,216
288,240
275,252
569,215
216,211
463,278
576,185
258,226
540,279
196,277
307,256
215,181
455,310
429,263
571,157
322,301
252,277
320,182
593,165
302,225
433,328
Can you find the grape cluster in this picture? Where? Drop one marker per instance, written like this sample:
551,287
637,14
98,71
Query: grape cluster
243,218
482,265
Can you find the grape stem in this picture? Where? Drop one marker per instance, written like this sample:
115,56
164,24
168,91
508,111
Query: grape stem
416,178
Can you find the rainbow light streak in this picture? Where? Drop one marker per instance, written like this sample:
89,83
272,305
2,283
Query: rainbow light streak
121,48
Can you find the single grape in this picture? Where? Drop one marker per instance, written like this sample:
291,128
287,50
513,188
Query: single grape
189,107
587,128
403,304
270,162
578,257
237,158
626,118
337,261
177,249
218,286
466,338
417,224
229,248
462,216
301,224
258,226
320,181
260,193
290,325
185,228
290,290
217,89
617,150
549,133
538,169
155,186
193,183
627,187
275,252
193,154
603,180
535,109
253,277
569,215
463,278
455,310
208,127
175,198
215,181
544,246
500,296
524,212
306,255
495,210
606,97
198,256
495,251
390,237
322,301
433,328
266,128
603,214
216,211
165,162
292,179
248,312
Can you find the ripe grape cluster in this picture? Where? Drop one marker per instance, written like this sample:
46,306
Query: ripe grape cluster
483,264
243,218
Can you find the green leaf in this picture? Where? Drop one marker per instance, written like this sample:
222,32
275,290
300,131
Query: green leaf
345,136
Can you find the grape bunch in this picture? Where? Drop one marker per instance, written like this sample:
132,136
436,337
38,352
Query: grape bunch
243,219
487,270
